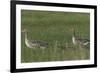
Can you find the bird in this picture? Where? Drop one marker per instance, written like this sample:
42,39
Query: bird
34,43
77,40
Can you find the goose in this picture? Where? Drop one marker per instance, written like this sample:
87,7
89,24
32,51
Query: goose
79,41
34,43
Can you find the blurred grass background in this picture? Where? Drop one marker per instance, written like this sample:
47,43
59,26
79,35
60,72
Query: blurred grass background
50,27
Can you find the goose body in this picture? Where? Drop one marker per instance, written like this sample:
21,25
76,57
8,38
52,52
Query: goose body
79,41
31,44
34,43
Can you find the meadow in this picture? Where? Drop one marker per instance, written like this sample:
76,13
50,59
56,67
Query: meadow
54,27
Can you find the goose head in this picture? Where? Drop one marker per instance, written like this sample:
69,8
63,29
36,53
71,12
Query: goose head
72,30
24,30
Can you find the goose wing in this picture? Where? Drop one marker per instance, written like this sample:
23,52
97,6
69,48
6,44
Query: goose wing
83,41
41,43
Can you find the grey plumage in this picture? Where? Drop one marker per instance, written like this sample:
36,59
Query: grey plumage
79,41
34,43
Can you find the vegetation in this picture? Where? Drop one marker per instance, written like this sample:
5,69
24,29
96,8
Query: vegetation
54,27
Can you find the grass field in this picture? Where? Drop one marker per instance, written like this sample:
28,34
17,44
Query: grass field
52,27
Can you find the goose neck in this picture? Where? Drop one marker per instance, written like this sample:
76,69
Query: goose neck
25,35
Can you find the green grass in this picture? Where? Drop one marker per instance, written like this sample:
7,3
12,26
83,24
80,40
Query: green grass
51,27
